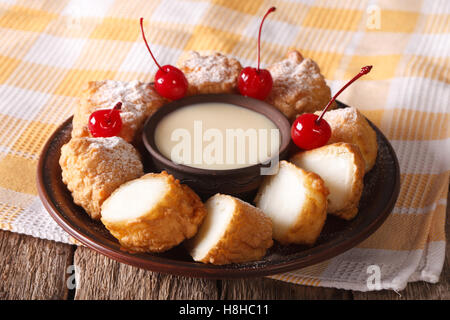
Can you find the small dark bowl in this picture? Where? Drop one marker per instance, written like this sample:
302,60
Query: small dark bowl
241,182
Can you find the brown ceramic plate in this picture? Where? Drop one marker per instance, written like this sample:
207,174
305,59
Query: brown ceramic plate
381,188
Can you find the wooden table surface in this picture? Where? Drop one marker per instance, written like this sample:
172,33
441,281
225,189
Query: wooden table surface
32,268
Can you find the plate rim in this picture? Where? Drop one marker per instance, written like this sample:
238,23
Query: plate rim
200,270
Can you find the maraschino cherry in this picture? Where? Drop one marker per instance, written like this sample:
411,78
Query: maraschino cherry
106,122
256,82
310,131
170,82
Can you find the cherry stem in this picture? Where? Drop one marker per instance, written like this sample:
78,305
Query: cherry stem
145,40
259,34
118,106
364,70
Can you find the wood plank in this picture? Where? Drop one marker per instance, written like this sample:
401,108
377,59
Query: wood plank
33,268
265,289
104,278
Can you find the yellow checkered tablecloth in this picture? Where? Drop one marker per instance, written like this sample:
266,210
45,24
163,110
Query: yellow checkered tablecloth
50,49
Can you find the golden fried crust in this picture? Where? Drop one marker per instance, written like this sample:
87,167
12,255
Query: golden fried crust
349,125
311,216
139,101
350,208
311,220
247,237
298,86
92,168
175,217
350,211
209,73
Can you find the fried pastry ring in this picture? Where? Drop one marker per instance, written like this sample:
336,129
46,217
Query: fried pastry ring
341,166
153,213
209,73
349,125
298,86
92,168
296,201
139,101
233,231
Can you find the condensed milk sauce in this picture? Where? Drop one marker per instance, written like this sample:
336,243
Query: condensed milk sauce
217,136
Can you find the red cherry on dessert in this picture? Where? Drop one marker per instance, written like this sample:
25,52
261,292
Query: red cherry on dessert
308,134
106,123
170,82
256,82
310,131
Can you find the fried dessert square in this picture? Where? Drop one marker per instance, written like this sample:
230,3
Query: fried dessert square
349,125
92,168
139,101
298,86
209,72
153,213
296,201
234,231
341,166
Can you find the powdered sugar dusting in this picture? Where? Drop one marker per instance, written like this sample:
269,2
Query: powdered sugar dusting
114,153
349,114
92,168
298,86
104,143
137,98
295,72
209,67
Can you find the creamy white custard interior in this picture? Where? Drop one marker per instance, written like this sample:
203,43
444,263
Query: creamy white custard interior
217,136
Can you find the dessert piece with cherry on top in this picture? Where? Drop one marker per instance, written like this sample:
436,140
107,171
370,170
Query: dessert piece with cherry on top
311,131
114,108
349,125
